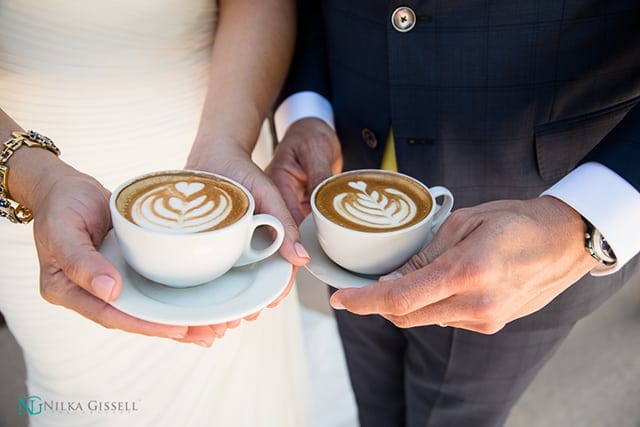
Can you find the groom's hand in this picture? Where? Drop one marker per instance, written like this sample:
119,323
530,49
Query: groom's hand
308,153
487,265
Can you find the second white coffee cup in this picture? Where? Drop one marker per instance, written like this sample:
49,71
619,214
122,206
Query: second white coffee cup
188,254
372,221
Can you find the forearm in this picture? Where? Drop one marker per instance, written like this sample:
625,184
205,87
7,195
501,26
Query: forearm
251,54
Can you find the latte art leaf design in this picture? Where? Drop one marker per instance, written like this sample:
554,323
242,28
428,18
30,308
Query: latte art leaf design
383,208
181,207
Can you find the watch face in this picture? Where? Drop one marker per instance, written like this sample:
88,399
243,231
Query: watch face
602,250
606,248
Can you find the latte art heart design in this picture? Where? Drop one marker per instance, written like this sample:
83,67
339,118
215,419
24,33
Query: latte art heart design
382,208
189,188
181,207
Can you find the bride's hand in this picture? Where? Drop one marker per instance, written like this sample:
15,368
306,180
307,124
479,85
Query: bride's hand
234,162
71,212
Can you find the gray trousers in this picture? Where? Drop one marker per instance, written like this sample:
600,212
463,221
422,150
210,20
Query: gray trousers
434,376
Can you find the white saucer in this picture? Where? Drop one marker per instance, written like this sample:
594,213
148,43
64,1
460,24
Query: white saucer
240,292
321,265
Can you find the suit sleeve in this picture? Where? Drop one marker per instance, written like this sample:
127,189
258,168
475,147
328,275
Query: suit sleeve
309,69
605,189
620,149
306,89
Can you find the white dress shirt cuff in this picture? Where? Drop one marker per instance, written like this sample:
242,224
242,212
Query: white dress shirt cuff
299,106
610,203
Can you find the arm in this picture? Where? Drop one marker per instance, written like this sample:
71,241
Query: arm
71,209
620,149
250,58
499,261
306,89
71,217
251,55
611,174
309,150
309,68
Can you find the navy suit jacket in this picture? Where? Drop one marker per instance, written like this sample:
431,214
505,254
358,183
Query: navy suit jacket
493,102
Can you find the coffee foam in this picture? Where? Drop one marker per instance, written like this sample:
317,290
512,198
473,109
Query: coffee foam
371,201
186,203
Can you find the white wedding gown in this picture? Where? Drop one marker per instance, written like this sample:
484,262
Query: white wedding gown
118,85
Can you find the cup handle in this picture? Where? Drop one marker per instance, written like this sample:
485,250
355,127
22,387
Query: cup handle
251,255
445,208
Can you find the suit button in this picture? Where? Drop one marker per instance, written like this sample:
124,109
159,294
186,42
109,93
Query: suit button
369,138
403,19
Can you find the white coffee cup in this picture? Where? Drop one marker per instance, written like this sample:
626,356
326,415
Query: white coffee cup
372,221
169,237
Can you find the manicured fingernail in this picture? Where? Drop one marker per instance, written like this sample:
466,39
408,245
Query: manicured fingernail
177,335
204,344
337,305
301,251
391,276
103,286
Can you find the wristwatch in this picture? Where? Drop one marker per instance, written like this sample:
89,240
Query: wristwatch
596,245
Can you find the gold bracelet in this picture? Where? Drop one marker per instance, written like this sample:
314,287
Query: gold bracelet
10,209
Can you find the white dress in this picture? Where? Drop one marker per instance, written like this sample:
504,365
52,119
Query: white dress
118,85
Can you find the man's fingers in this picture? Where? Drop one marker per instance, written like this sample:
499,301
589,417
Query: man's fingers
309,153
322,157
423,258
455,229
318,169
291,192
466,312
316,162
400,296
455,270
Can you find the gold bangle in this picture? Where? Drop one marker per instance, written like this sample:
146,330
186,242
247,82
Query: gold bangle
10,209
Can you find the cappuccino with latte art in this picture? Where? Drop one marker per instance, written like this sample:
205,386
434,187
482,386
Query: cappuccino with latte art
183,228
182,203
372,221
373,201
